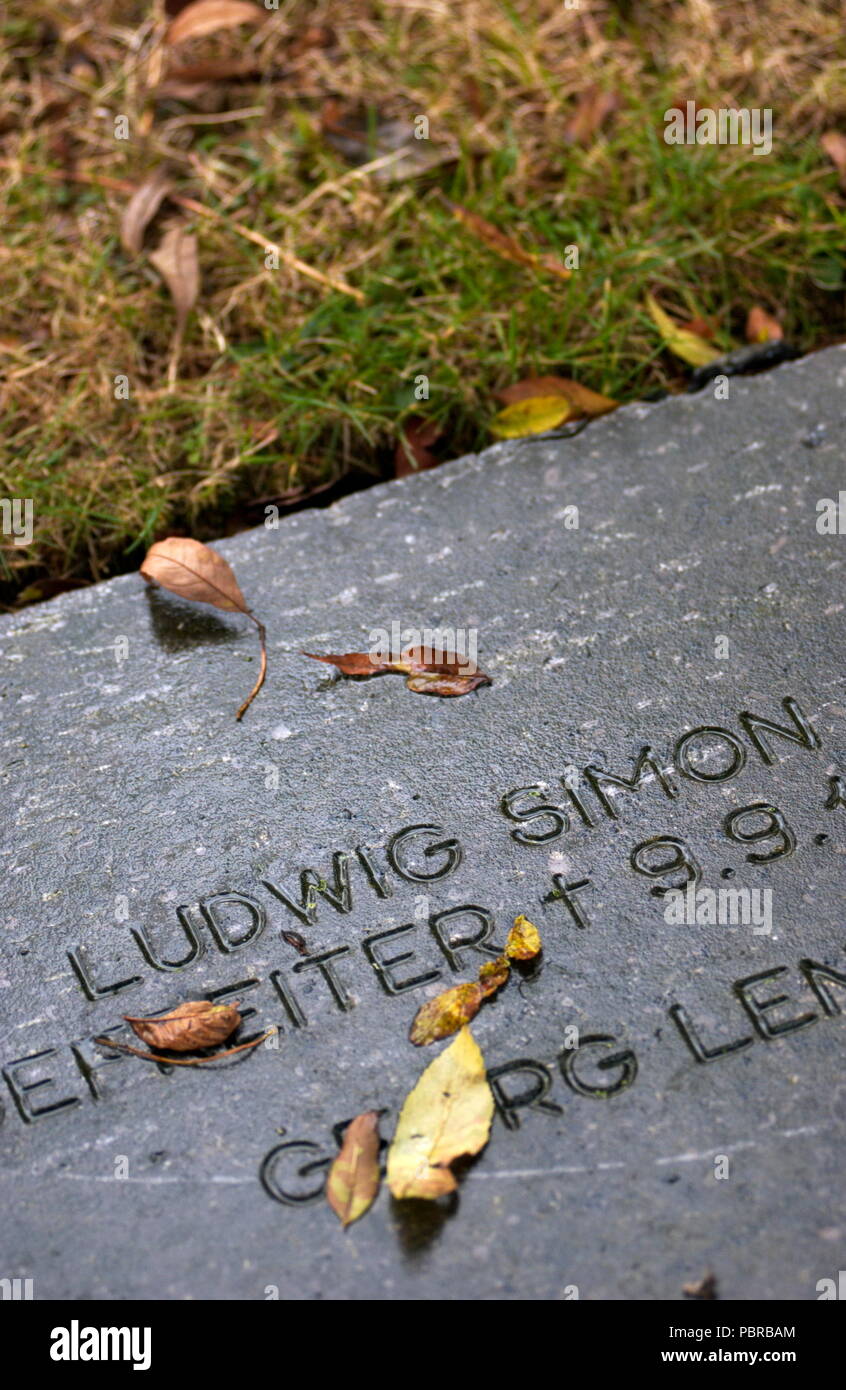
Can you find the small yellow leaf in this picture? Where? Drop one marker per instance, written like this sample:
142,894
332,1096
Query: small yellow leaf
581,398
446,1115
688,346
534,416
524,941
443,1016
354,1176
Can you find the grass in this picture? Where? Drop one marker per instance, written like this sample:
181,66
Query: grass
709,230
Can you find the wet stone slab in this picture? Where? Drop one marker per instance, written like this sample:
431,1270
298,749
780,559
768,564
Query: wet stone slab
152,852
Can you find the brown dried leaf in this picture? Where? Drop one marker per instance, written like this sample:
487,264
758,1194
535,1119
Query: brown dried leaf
444,1015
446,1115
353,663
493,975
194,571
412,452
430,683
208,16
452,675
593,108
354,1176
506,246
140,211
524,941
294,939
704,1288
188,1027
582,400
761,327
834,145
178,263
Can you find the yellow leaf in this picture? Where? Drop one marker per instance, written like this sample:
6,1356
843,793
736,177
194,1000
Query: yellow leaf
448,1114
688,346
443,1016
354,1176
524,941
493,975
533,416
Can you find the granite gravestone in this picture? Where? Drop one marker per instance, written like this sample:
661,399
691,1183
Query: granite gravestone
671,1093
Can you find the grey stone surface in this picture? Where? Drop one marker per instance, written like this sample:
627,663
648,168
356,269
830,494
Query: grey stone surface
129,791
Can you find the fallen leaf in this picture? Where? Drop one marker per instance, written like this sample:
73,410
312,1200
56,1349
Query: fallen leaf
140,211
524,941
506,246
593,108
688,346
354,1176
449,1011
194,571
294,939
444,1015
446,675
698,326
493,975
446,1115
177,262
446,686
761,327
704,1288
412,452
533,416
207,16
834,145
189,1027
581,398
353,663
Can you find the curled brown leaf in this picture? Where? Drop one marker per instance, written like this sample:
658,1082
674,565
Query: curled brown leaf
140,211
189,1027
177,262
194,571
353,663
446,675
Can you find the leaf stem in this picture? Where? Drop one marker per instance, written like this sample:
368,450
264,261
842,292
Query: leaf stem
263,670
